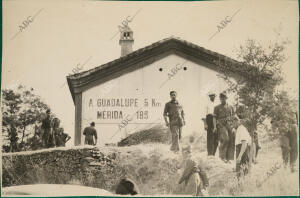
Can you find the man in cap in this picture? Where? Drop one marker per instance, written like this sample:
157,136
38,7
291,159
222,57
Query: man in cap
224,114
46,126
90,133
174,111
210,125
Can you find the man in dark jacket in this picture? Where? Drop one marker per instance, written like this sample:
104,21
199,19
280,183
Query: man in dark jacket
90,133
46,126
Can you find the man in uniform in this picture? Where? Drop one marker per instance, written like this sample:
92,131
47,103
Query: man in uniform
224,114
46,126
174,111
90,132
210,125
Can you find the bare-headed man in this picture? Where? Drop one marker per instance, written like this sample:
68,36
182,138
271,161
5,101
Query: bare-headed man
174,118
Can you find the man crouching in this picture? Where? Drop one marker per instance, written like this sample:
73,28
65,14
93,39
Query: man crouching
194,176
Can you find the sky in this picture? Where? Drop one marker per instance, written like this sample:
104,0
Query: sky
65,34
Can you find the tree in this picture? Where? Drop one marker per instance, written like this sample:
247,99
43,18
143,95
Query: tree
256,87
282,113
22,112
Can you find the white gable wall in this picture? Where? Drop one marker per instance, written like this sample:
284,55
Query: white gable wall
146,84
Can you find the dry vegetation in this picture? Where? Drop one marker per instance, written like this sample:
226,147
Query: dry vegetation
156,170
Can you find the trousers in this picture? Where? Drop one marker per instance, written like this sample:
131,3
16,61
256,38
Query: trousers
227,142
242,168
212,138
175,131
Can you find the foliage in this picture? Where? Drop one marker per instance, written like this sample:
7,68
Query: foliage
282,113
22,112
262,73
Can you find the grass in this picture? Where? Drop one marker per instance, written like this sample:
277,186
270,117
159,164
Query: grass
156,170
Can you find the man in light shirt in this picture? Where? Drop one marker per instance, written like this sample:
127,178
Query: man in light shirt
242,145
210,125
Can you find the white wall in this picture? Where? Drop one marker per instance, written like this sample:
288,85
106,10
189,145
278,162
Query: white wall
149,83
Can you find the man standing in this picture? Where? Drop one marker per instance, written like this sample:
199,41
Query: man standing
13,138
174,111
224,114
90,132
210,125
46,126
293,138
242,143
62,138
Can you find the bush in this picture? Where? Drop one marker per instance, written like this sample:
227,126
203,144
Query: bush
156,134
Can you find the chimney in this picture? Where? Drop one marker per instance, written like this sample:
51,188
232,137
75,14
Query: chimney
126,40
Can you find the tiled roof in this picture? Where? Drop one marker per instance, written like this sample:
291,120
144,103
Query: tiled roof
172,43
149,47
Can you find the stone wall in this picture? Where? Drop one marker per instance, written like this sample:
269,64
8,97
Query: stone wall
154,168
88,166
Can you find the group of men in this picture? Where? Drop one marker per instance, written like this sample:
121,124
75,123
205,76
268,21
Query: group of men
225,130
219,123
52,134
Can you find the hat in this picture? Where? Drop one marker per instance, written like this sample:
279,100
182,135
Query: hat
210,93
48,111
223,94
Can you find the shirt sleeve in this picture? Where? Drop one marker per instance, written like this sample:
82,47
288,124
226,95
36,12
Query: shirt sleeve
216,111
188,170
84,131
166,110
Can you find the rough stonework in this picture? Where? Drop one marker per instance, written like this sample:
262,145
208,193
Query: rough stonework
88,166
153,167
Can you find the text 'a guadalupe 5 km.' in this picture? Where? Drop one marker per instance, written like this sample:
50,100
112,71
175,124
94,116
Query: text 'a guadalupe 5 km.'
119,102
